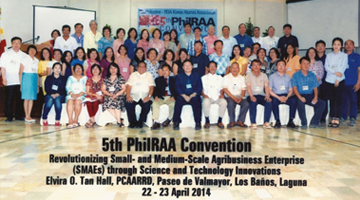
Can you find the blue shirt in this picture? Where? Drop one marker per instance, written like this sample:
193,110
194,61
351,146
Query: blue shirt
280,84
191,43
351,73
304,84
60,82
243,41
222,61
131,47
200,63
182,82
79,40
284,41
335,63
104,43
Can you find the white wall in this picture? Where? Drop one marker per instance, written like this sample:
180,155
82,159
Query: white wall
324,19
17,15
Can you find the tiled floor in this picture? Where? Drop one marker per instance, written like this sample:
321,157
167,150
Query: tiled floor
331,165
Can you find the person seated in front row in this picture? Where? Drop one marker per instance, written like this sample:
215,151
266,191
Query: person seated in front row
164,93
76,90
281,91
188,88
213,94
305,86
113,89
139,90
94,96
257,82
55,94
234,87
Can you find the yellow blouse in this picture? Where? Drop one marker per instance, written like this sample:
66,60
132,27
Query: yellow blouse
42,69
241,61
292,65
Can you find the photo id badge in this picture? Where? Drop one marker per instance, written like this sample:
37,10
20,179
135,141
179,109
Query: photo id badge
54,87
305,87
282,87
242,45
257,88
188,86
195,65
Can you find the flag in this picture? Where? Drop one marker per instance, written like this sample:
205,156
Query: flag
2,38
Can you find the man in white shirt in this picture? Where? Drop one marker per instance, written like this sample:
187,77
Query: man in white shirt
271,40
10,67
228,41
139,89
258,39
234,87
65,42
213,94
92,37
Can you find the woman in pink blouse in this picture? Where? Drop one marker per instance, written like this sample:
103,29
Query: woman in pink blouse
93,58
144,40
316,65
120,33
157,43
124,62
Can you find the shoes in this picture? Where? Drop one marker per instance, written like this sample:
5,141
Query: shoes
176,126
322,121
166,122
241,124
197,126
342,121
139,124
155,126
220,125
57,123
9,120
303,126
278,124
291,125
352,122
45,123
316,126
254,126
207,125
30,120
267,125
132,124
232,124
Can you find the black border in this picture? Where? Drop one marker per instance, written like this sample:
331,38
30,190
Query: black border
58,7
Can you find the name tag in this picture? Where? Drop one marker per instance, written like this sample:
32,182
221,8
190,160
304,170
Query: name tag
195,65
125,69
212,46
33,70
288,69
54,87
348,66
167,88
282,87
268,71
99,93
139,83
305,87
77,88
13,62
257,88
111,89
242,45
188,86
235,87
66,46
334,66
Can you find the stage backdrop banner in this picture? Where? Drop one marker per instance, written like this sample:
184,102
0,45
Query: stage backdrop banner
167,19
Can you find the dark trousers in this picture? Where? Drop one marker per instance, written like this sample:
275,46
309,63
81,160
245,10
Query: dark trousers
319,108
259,100
49,102
13,95
231,105
349,97
195,103
323,95
92,108
130,110
335,94
291,102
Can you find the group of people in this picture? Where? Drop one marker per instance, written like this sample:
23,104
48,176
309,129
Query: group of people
94,69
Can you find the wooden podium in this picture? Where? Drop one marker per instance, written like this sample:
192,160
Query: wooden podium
36,111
